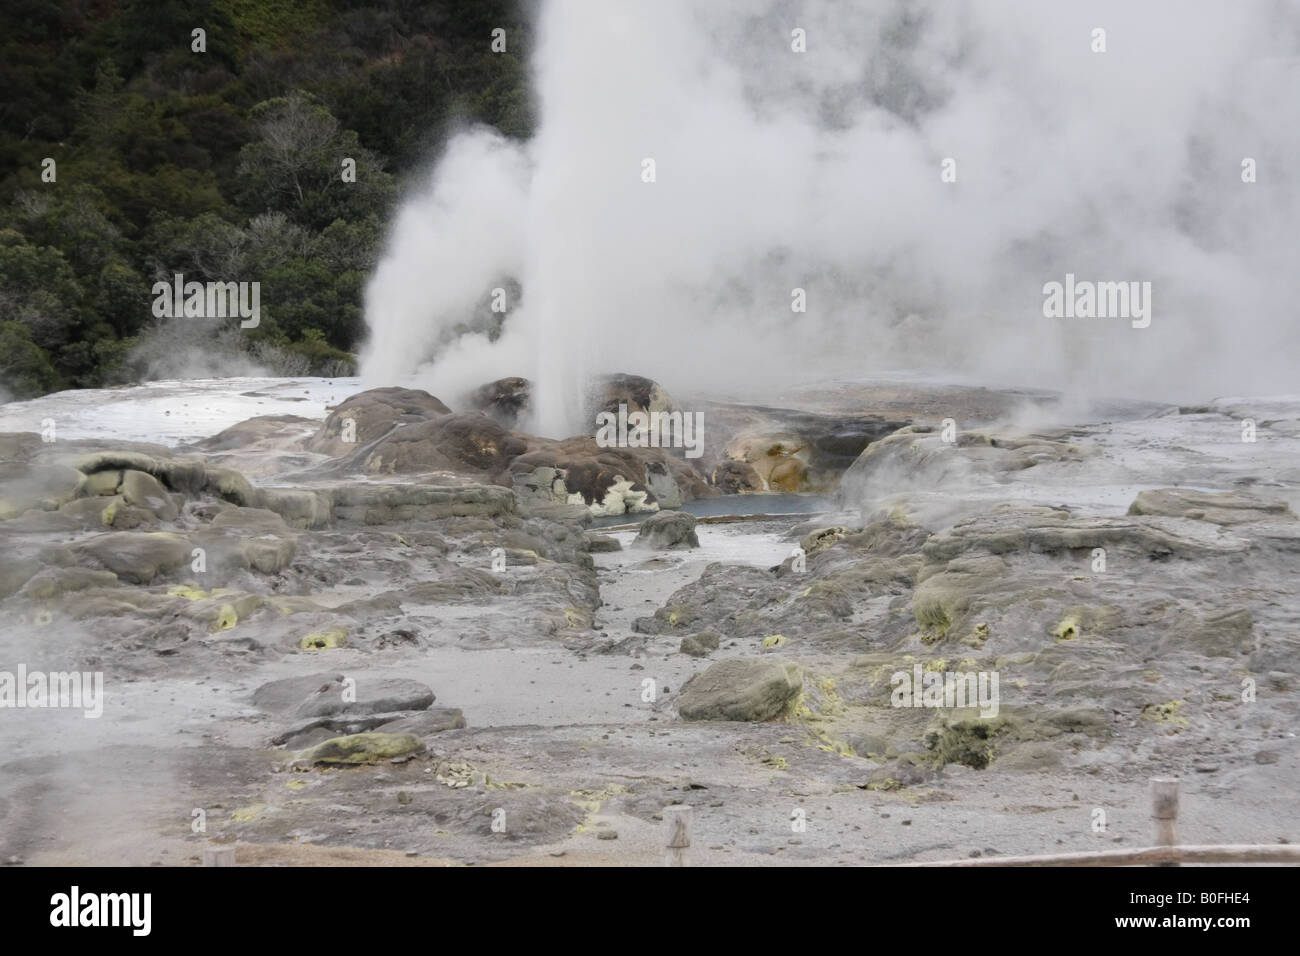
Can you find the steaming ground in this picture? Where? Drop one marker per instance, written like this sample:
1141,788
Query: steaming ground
996,533
173,412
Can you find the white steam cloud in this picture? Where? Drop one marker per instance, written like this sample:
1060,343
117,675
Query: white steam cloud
821,170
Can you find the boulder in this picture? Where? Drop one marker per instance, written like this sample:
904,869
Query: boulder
667,530
639,394
699,645
188,475
362,418
432,721
253,431
283,696
265,541
779,461
107,512
107,482
745,690
299,507
541,485
788,450
822,538
602,543
143,490
372,697
250,521
662,485
504,401
461,443
137,557
363,748
55,582
734,477
314,730
1223,508
609,481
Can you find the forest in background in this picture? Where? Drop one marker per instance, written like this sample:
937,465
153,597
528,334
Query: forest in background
224,165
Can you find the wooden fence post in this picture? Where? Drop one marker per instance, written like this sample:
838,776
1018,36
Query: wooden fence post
1164,810
219,856
677,834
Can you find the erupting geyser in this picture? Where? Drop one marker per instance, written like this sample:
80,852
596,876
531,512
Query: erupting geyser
915,176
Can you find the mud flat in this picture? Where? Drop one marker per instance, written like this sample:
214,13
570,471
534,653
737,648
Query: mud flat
418,648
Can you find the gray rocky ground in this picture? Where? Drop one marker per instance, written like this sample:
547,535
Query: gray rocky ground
400,641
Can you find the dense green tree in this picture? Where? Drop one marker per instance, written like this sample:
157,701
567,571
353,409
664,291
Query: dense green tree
302,294
25,369
304,165
39,290
72,220
225,164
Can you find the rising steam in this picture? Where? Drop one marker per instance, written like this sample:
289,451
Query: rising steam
820,170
